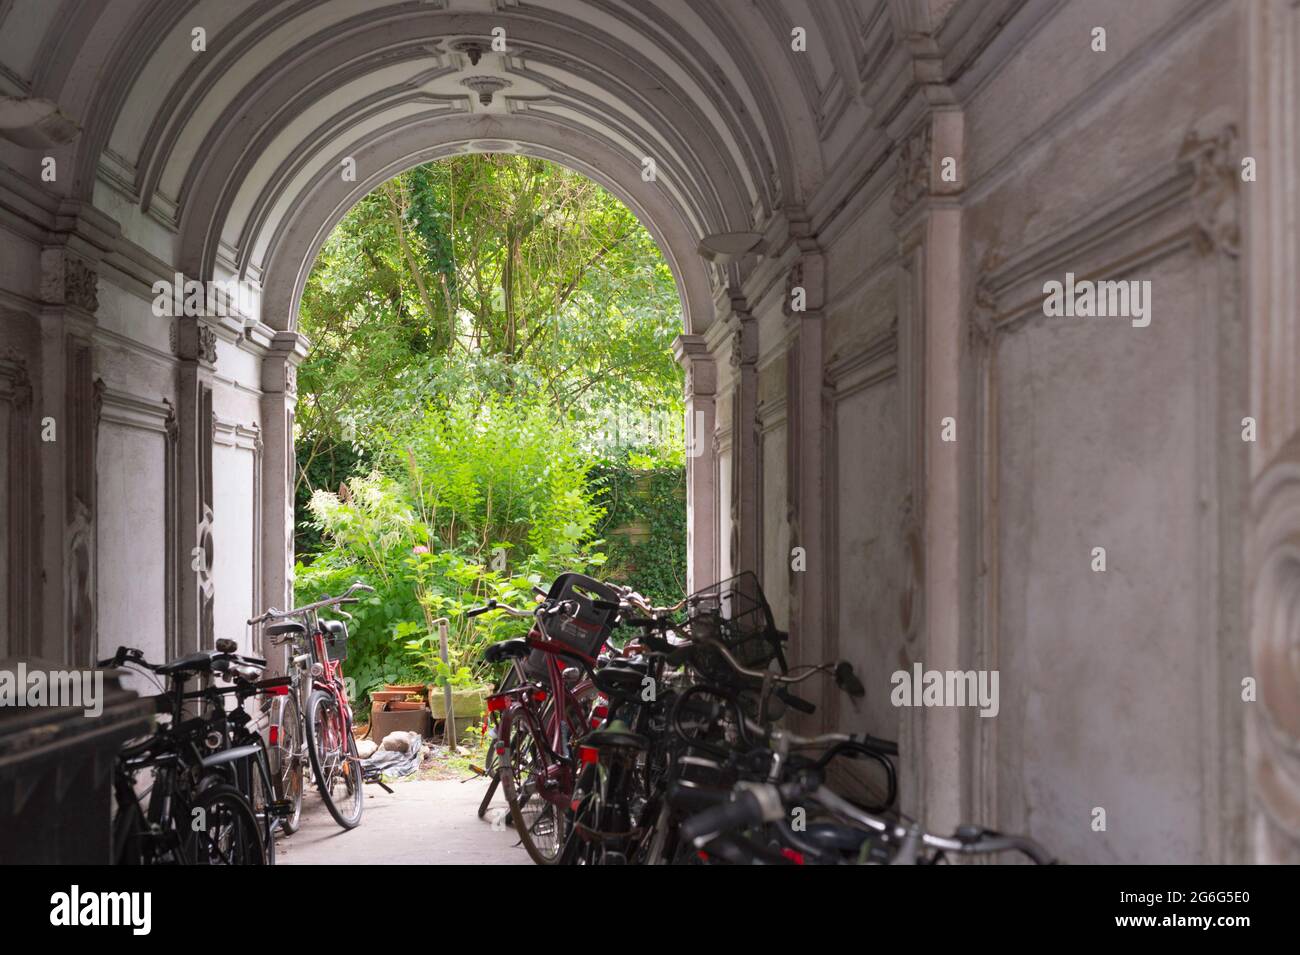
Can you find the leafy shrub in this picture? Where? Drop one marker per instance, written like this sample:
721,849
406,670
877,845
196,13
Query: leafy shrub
469,502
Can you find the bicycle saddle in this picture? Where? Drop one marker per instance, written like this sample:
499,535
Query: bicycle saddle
619,680
827,835
287,626
506,649
615,736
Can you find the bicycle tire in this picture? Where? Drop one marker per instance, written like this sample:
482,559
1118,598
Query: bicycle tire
322,704
525,826
288,767
260,799
218,804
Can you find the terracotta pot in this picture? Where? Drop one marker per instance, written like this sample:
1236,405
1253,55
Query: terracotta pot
404,688
386,696
395,705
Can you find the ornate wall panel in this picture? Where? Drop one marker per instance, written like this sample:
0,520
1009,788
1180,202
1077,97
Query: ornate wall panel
136,490
18,435
1093,433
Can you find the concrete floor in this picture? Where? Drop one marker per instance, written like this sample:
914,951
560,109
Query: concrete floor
421,823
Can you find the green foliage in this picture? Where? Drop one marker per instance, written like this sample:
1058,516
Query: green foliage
473,321
635,489
481,275
468,504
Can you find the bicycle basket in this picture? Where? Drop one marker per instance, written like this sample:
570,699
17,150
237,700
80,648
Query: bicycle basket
587,630
735,613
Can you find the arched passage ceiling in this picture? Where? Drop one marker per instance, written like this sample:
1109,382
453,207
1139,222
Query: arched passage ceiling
236,151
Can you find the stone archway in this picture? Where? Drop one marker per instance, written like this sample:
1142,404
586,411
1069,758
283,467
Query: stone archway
292,250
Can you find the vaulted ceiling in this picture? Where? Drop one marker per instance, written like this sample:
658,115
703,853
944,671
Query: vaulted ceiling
227,160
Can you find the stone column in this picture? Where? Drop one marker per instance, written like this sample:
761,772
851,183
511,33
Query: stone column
1272,535
930,302
805,447
701,463
746,548
67,468
279,399
196,349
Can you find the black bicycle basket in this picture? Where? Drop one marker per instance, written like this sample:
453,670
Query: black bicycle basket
586,631
735,613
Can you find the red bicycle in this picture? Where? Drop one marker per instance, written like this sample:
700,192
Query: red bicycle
321,722
548,706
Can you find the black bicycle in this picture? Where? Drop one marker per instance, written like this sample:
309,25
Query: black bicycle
175,804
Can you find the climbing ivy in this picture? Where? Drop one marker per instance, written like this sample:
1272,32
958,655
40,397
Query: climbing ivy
654,498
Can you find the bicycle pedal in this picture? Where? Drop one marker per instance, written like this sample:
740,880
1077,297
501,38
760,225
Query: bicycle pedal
280,808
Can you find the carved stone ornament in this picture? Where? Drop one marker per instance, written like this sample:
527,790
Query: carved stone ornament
204,552
171,424
1216,173
208,344
913,171
15,384
485,86
68,280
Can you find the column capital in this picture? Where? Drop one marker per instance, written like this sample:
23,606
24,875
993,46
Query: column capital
692,353
285,353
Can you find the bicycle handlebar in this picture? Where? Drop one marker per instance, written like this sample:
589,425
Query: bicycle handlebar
568,606
327,601
751,804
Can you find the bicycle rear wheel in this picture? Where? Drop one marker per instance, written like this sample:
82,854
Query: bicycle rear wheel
334,760
539,823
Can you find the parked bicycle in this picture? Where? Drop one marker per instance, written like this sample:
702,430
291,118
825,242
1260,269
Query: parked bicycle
684,755
546,705
176,800
314,719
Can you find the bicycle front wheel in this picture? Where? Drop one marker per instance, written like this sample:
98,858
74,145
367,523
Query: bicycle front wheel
288,758
223,829
334,760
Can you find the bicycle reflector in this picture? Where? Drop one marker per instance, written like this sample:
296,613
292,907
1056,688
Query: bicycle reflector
273,736
588,754
496,703
539,696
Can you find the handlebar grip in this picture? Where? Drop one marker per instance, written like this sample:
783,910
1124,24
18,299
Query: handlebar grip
478,611
848,681
743,811
796,702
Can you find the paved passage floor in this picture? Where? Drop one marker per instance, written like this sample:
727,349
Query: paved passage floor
421,823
